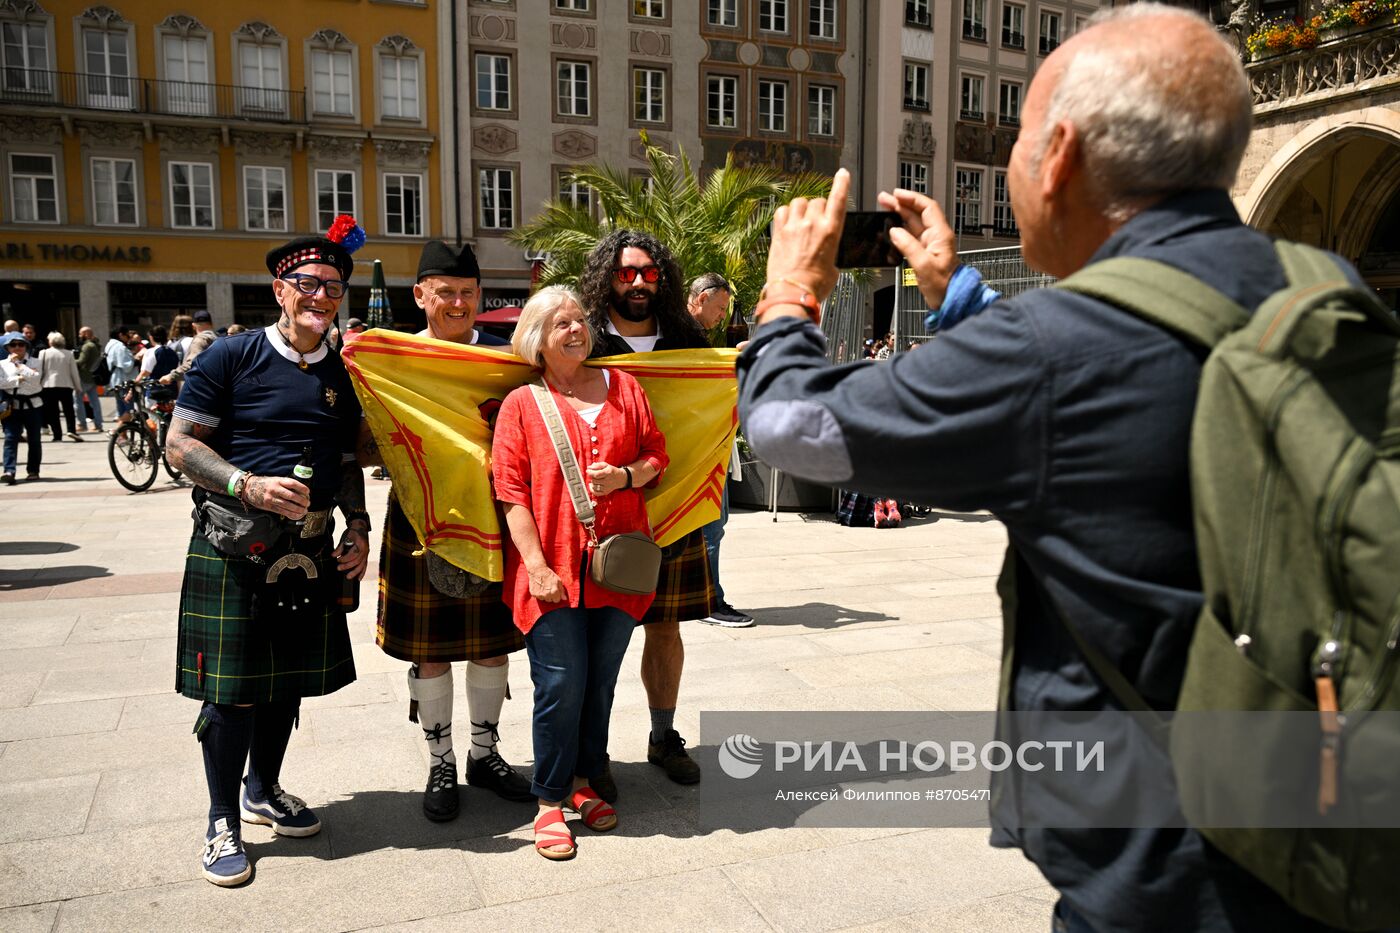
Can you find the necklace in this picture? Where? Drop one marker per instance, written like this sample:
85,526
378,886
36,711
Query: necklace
302,364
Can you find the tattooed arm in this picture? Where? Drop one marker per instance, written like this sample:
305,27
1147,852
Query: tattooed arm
367,448
189,452
353,553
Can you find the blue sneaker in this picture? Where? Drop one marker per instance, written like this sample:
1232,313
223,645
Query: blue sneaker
287,815
225,862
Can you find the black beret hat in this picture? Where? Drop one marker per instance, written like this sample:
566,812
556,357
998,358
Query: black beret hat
307,250
440,259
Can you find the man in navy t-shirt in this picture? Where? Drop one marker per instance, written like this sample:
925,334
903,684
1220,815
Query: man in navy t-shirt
431,629
260,625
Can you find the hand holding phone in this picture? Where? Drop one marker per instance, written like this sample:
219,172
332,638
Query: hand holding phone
865,241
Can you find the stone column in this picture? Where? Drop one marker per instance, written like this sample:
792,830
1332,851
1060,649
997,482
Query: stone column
95,307
220,298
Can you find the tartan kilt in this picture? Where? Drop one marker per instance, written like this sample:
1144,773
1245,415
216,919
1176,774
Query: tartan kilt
685,590
417,623
855,509
226,655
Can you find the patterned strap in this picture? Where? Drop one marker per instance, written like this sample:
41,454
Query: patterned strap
568,463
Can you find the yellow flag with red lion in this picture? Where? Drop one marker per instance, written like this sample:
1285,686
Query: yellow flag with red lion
432,406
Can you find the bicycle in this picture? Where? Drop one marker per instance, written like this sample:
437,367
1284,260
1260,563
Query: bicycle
136,451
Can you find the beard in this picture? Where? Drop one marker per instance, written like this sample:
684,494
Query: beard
314,322
634,313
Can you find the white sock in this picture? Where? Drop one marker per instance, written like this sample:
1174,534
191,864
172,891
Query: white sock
434,696
486,691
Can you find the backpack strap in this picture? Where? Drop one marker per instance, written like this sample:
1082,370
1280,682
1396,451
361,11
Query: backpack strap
1163,295
1307,265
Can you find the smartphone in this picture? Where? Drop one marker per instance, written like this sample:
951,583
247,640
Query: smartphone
865,241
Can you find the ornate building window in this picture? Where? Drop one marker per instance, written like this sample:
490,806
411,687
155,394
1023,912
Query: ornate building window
33,188
25,56
113,192
400,79
265,197
333,82
105,54
260,56
403,204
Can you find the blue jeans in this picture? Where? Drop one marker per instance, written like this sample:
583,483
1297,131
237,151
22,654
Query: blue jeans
88,393
28,421
123,406
575,655
714,533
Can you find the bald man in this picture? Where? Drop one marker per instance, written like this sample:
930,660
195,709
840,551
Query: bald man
1064,416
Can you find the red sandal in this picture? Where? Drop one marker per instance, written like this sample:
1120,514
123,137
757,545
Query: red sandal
546,835
598,815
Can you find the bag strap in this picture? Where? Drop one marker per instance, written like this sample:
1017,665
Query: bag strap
1163,295
568,463
1307,265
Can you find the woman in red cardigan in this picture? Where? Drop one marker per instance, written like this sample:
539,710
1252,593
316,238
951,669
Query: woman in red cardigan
576,631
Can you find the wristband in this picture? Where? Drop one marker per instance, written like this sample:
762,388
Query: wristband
763,292
628,471
233,481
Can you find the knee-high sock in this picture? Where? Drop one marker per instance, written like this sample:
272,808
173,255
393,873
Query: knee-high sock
225,732
434,696
272,729
486,691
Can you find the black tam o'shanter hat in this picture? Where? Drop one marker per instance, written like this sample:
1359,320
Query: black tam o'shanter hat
440,259
334,249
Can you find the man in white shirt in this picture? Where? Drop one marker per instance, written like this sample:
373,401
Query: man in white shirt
123,366
22,385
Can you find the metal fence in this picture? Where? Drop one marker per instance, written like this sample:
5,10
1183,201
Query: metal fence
79,91
843,320
1002,269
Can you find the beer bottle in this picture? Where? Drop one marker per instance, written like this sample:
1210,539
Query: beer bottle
303,470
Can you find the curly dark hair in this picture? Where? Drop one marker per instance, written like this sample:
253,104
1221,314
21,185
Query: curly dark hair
595,287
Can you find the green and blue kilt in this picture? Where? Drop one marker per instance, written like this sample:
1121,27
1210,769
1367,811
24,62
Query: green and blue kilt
226,654
417,623
684,590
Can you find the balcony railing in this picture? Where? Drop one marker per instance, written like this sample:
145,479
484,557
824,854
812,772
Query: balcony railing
974,31
1347,64
972,116
1013,40
1049,44
150,96
916,14
916,103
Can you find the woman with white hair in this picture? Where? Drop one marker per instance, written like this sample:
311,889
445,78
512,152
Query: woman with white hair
576,630
60,380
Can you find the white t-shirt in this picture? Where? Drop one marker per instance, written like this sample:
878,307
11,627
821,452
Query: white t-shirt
590,414
476,334
638,344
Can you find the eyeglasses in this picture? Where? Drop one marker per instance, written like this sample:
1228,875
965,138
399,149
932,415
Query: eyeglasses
628,274
310,285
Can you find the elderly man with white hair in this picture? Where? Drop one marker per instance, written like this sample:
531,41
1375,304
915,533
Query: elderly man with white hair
1065,416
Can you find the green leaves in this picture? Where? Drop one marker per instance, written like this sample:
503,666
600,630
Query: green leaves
715,224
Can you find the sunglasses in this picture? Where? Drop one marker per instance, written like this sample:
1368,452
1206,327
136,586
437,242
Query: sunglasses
310,285
628,274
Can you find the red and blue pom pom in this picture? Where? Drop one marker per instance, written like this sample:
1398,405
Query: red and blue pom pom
347,233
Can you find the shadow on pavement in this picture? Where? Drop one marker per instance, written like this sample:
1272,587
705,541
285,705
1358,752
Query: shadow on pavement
817,615
16,548
393,819
11,580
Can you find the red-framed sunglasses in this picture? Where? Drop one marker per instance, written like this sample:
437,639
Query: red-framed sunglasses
628,274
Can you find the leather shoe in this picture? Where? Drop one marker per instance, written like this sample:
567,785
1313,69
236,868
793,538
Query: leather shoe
440,800
493,773
670,755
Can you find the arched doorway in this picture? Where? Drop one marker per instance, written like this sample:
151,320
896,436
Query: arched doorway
1338,187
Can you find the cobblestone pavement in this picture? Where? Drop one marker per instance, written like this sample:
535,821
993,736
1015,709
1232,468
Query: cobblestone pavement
102,796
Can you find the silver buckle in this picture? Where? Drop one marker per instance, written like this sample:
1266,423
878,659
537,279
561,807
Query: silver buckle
314,524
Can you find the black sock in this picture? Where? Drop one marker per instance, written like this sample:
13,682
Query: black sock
272,729
224,733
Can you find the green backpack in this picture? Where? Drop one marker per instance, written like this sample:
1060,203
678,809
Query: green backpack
1295,481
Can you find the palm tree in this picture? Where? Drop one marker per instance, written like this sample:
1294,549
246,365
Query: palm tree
718,224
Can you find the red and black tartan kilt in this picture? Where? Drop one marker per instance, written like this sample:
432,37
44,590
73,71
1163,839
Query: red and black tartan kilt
417,623
685,590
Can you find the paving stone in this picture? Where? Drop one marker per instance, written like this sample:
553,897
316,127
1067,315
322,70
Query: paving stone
894,638
38,918
34,759
66,658
290,890
19,632
898,875
158,709
701,901
132,678
888,665
18,689
51,719
44,808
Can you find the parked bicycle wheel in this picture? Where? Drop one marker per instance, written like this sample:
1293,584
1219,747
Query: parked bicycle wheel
165,462
133,454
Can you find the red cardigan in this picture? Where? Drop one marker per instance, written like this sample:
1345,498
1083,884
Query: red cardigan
525,471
